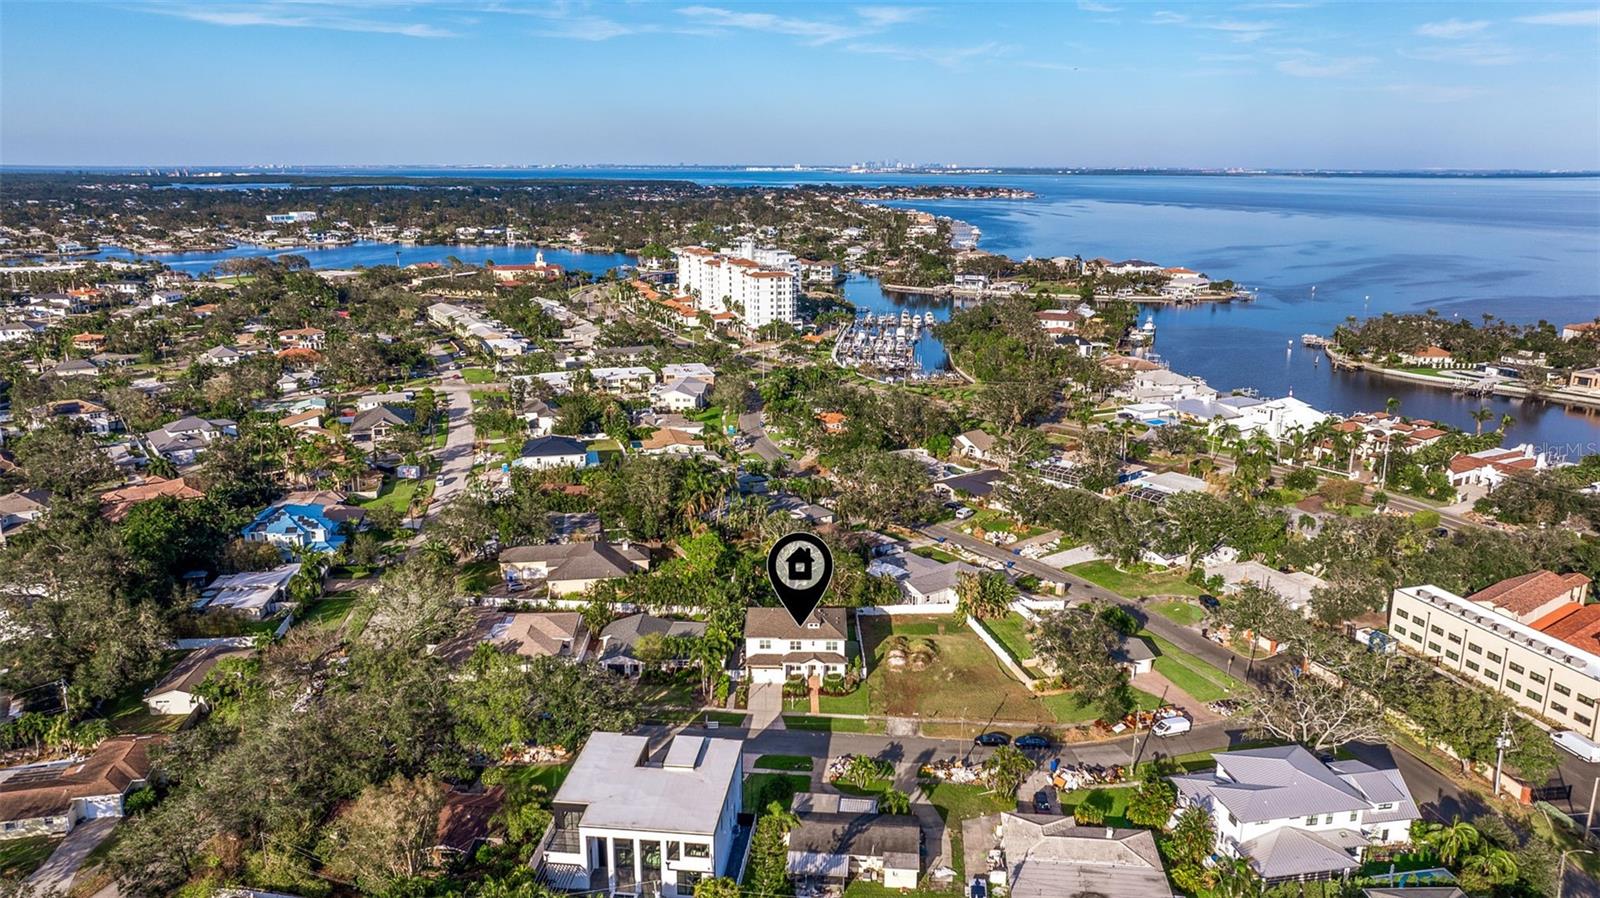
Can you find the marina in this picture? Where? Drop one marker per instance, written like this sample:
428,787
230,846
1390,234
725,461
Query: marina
883,345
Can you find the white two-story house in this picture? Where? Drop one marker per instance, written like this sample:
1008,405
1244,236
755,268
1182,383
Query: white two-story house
629,825
776,648
1292,816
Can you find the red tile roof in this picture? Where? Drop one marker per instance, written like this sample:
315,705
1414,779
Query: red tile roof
1580,628
1524,594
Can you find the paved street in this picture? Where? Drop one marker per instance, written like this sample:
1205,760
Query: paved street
750,423
455,460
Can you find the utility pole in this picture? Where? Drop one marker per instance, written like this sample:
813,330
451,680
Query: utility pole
1501,743
1588,819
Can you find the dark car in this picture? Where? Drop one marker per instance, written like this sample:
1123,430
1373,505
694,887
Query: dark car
992,739
980,888
1041,801
1210,603
1033,740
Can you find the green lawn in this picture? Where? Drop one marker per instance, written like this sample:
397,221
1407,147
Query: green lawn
1179,612
1065,708
679,691
830,724
786,762
725,718
1011,631
520,777
329,612
965,680
478,577
1191,674
1139,581
127,712
19,857
761,789
477,375
936,554
396,494
856,702
989,521
1114,802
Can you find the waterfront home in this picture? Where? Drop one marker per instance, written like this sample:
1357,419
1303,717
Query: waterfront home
518,274
545,452
1574,331
1060,322
762,294
620,640
92,416
1292,816
568,568
51,798
840,838
315,520
1428,357
1277,419
971,282
1163,385
1133,266
19,510
1485,470
776,648
115,504
622,819
1530,638
974,444
1048,857
182,441
177,692
254,594
1584,379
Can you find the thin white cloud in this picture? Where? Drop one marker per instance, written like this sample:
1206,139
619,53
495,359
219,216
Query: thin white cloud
1471,53
947,57
886,16
1452,29
869,20
1435,93
327,17
1100,8
1243,32
1324,67
1589,16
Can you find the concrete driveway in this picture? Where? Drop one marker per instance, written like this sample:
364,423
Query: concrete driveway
766,707
58,871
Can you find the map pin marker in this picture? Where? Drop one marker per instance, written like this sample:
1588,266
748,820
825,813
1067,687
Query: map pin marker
800,567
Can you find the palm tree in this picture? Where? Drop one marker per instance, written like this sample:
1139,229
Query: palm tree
1505,423
1392,405
894,802
1495,865
1453,842
1480,415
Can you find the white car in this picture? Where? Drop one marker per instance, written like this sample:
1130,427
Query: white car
1172,726
1578,745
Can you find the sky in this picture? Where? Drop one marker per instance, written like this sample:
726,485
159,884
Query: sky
1096,83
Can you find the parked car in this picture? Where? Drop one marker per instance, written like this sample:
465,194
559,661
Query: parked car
1210,603
1578,745
1033,740
440,480
1041,801
1172,726
979,889
964,512
993,740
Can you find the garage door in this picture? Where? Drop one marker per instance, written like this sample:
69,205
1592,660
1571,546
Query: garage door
104,806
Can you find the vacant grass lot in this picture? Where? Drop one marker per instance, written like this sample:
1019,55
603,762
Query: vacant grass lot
1011,631
831,724
1139,580
1179,612
964,680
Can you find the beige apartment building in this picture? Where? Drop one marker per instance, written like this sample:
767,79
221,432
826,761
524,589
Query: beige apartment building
1530,638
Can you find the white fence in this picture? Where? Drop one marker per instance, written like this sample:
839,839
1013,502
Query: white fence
1000,651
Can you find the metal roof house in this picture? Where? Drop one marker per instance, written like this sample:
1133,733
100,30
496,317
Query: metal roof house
627,823
1294,817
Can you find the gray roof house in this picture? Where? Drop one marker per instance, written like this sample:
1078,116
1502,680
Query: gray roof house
841,845
181,441
1292,816
570,567
374,424
617,640
1053,857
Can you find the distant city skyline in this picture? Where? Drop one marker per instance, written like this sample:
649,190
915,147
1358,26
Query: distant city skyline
1253,85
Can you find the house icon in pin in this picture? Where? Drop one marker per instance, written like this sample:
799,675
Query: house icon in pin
800,564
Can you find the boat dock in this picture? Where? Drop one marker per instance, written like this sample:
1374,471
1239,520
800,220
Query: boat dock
885,344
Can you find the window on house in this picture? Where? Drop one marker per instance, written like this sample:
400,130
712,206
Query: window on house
1399,629
1386,806
1474,648
1535,697
674,850
1472,665
1401,613
1561,690
1582,718
1586,701
1452,655
764,644
1455,639
1515,667
1513,687
1312,820
834,646
1558,707
794,645
1354,815
1415,637
1536,677
1327,820
1493,657
1436,630
1433,646
696,849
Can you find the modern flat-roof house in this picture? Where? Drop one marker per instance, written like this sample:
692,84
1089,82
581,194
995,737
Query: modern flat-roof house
776,648
175,693
1531,638
625,823
254,594
1051,857
568,568
544,452
182,441
55,796
1292,817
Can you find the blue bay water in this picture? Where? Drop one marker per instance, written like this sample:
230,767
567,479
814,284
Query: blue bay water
1525,249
